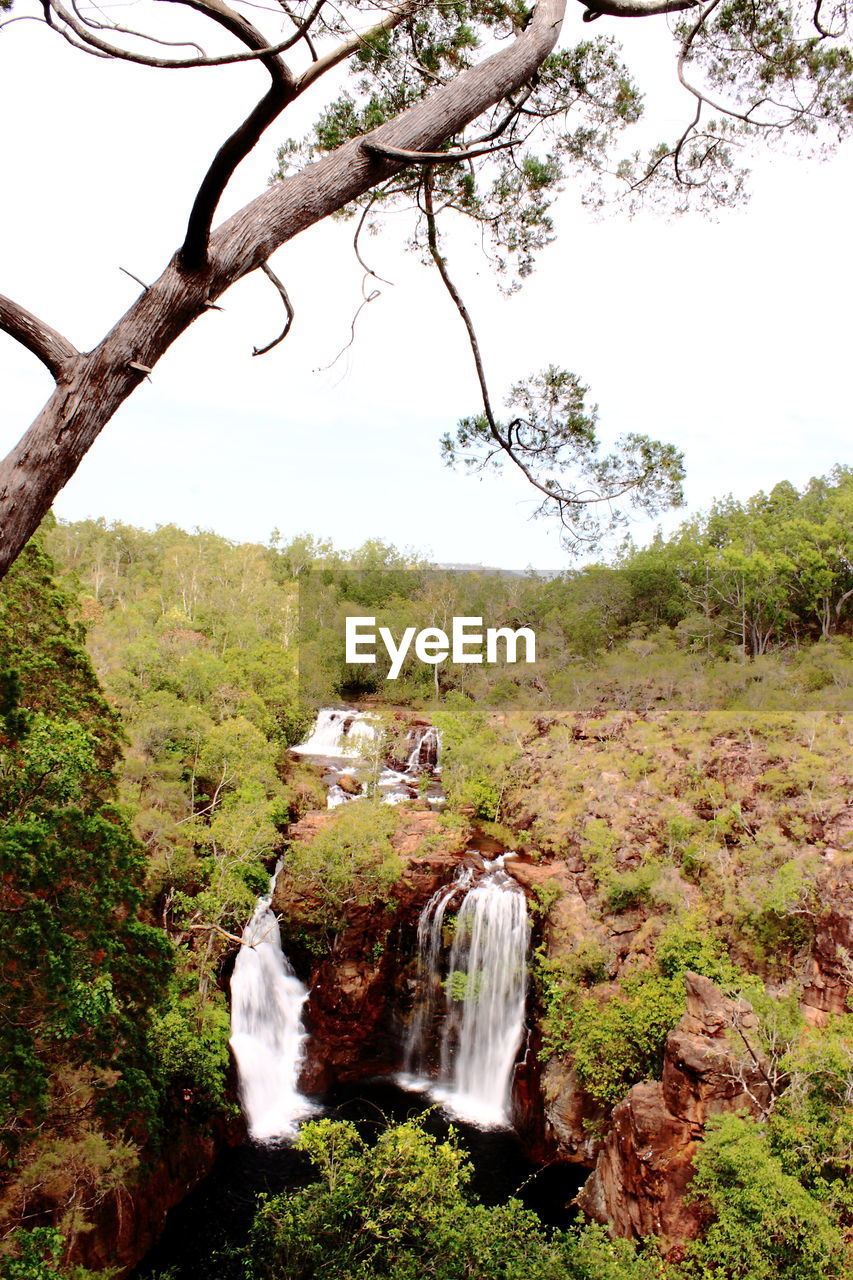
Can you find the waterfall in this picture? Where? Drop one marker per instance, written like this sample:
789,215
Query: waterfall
422,744
338,734
267,1037
481,986
341,734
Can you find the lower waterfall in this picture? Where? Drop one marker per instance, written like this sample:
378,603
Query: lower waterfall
479,981
267,1037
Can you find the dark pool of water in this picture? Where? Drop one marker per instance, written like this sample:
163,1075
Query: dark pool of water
204,1235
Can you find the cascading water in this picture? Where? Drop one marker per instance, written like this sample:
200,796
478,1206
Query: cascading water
338,735
481,985
341,734
423,744
267,1036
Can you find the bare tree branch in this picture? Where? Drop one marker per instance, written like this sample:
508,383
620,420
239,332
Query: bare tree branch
633,8
434,157
288,306
51,347
356,42
282,90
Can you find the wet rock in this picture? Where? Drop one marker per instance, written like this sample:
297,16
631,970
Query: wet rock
574,1120
354,988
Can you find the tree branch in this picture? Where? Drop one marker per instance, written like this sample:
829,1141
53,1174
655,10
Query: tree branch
51,347
193,254
355,42
51,450
288,306
633,8
434,157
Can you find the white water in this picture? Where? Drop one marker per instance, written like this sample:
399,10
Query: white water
424,744
338,735
484,1003
267,1036
341,734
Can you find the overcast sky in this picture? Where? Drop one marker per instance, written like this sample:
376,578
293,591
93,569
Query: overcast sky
730,338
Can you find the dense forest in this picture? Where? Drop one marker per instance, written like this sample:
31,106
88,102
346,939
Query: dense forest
674,768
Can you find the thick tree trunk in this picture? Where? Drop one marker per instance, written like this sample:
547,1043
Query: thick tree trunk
91,387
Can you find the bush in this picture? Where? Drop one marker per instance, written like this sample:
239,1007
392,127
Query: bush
352,857
766,1225
402,1211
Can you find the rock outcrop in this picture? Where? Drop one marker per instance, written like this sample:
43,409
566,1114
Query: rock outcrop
127,1223
349,1015
831,978
711,1064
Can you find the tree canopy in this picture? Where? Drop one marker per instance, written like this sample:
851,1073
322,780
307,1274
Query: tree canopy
478,109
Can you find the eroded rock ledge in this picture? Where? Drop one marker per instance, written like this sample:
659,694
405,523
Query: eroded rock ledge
644,1167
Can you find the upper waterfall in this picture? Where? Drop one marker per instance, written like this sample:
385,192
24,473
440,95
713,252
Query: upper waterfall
338,734
479,982
406,772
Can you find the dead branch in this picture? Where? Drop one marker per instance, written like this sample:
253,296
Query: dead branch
434,157
288,306
223,933
47,344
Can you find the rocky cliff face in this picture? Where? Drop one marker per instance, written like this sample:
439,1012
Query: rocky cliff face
355,991
554,1106
711,1064
127,1223
830,977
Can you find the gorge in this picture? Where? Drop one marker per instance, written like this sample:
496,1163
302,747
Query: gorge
679,896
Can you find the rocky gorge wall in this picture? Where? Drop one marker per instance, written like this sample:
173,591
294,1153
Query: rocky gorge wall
639,1152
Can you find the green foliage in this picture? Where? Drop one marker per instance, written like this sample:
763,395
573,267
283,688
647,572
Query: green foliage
476,763
811,1128
546,894
349,859
616,1039
189,1044
552,435
464,987
619,1042
38,1255
688,944
80,967
402,1210
766,1225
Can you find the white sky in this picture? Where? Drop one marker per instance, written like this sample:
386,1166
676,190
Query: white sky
729,338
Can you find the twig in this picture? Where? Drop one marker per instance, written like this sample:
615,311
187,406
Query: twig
288,306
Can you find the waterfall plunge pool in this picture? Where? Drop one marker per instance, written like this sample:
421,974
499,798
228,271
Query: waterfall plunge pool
204,1234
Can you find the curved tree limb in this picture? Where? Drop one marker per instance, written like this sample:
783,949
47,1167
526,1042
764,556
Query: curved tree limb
288,306
354,43
434,157
46,343
235,149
